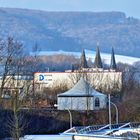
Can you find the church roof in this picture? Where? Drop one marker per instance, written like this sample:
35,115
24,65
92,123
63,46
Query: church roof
83,61
81,89
98,60
113,61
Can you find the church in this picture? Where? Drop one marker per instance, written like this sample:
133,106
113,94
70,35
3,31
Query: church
98,65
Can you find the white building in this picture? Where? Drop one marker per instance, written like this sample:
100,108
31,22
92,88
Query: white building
82,97
105,80
11,85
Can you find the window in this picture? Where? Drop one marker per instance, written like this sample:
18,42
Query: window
97,102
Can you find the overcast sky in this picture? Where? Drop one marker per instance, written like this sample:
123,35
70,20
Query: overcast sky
130,7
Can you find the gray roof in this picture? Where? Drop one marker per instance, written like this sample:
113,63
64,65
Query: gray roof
81,89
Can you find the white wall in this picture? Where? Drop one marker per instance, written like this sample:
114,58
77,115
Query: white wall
80,103
108,80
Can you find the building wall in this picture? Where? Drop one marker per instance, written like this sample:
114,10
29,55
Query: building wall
14,84
99,80
80,103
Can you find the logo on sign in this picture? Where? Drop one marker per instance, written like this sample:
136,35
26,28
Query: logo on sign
41,77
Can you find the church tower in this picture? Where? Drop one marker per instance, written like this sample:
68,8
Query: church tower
98,61
83,61
113,65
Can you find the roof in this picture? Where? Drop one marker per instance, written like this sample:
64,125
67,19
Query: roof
116,130
81,89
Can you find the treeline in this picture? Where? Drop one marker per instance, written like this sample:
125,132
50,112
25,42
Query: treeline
59,62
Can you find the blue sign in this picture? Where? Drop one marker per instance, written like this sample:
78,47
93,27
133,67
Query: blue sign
41,77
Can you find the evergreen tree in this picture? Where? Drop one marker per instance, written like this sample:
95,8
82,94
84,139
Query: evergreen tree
98,61
83,61
113,61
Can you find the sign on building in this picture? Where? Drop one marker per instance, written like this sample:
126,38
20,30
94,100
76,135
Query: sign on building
41,78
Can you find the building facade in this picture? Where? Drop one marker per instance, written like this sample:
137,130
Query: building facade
101,80
81,97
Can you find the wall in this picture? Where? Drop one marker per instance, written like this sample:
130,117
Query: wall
80,103
14,84
99,80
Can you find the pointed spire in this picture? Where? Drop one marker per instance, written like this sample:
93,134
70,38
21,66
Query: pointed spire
98,61
113,65
83,61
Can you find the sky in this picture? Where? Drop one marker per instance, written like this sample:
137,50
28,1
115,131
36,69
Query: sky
130,7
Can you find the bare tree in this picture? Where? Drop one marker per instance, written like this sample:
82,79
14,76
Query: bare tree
76,75
16,122
9,54
14,77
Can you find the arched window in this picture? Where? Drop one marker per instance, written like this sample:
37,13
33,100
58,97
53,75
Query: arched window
97,102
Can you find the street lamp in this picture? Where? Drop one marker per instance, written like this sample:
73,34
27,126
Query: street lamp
70,115
109,108
117,114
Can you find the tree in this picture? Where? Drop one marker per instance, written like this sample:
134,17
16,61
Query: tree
11,62
76,75
15,67
16,122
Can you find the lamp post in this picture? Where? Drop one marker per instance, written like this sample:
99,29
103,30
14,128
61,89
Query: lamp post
117,114
70,115
109,108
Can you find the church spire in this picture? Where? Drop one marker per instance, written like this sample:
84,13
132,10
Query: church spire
83,61
113,65
98,61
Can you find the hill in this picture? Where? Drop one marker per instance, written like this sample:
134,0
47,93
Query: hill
72,31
